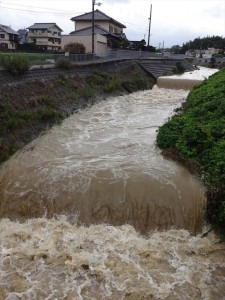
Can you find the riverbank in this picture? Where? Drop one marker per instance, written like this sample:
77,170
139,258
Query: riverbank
196,133
28,109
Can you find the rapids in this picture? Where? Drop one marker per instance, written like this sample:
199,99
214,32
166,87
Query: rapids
103,165
91,210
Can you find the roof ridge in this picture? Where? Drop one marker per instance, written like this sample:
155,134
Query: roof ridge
98,11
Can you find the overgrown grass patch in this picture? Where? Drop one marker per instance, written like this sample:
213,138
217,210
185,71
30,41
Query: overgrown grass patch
16,64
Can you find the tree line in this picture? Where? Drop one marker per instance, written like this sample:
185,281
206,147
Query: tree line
204,43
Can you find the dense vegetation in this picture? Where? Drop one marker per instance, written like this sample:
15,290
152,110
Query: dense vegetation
216,42
196,133
30,108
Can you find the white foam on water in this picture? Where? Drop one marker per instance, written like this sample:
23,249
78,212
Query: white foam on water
54,259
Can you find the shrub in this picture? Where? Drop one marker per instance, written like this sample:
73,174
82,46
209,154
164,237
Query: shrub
49,114
63,63
87,93
112,85
75,48
16,64
179,68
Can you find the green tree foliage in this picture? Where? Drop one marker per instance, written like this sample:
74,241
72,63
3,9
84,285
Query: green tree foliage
179,68
75,48
217,42
197,132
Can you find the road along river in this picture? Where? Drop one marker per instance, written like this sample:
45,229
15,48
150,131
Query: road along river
91,210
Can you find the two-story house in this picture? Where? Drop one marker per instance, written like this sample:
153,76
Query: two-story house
8,38
100,19
107,31
46,36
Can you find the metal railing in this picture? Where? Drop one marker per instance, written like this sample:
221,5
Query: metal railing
110,55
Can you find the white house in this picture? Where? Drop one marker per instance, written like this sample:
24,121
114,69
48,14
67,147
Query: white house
46,36
9,38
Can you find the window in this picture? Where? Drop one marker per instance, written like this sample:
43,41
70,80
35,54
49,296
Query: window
2,36
3,46
110,28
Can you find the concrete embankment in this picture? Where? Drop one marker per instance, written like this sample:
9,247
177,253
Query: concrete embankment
176,83
185,81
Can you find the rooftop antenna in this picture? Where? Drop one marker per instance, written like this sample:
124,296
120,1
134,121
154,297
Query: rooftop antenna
149,29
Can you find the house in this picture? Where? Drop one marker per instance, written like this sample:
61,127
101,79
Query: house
46,36
23,36
8,38
100,19
107,32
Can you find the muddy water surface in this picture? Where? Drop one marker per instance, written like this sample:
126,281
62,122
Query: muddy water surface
101,166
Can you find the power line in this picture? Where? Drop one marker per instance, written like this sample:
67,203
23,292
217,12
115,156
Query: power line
55,11
33,11
44,8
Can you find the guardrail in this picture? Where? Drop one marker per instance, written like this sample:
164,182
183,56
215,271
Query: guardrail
119,54
52,58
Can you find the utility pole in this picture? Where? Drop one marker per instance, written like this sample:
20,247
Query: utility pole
93,25
149,29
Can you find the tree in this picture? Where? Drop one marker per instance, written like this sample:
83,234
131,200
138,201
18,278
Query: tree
175,49
75,48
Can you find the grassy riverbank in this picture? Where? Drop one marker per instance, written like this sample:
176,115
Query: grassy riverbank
195,136
29,109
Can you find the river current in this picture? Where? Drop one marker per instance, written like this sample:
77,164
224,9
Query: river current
91,210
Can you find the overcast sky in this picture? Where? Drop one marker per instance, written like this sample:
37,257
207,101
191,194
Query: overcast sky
173,21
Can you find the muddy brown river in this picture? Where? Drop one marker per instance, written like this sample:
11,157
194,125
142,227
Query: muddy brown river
91,210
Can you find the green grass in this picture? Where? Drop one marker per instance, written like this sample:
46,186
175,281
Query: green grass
34,58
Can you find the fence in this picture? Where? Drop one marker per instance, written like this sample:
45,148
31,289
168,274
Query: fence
52,58
118,54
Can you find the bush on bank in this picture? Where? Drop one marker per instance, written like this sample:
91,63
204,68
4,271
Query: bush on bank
15,64
197,133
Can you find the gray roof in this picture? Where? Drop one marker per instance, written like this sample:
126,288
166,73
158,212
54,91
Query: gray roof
22,31
98,16
88,31
43,26
8,29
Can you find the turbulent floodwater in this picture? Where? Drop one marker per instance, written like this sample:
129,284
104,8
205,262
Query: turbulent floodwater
95,195
102,164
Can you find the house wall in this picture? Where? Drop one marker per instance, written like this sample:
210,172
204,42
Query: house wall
50,39
5,41
100,42
111,27
115,28
85,24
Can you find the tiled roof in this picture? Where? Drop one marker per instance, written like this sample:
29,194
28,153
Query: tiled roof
43,26
8,29
98,16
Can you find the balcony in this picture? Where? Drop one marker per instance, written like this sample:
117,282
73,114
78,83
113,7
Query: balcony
43,34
